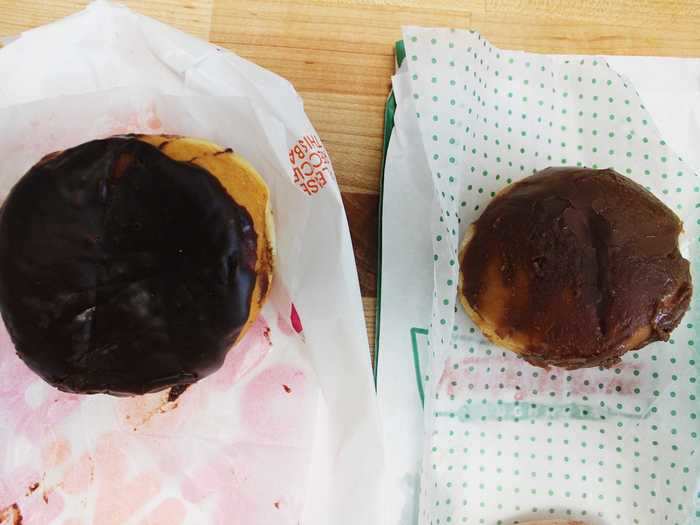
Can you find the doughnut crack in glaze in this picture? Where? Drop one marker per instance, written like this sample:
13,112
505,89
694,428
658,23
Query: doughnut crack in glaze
134,263
573,267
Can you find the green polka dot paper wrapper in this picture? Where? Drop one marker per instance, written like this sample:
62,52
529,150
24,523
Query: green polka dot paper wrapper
506,441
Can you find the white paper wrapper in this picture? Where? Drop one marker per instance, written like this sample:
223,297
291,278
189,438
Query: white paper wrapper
405,310
502,444
287,430
669,88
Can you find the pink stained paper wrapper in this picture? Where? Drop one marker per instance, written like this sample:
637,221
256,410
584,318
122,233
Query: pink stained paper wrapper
106,460
287,431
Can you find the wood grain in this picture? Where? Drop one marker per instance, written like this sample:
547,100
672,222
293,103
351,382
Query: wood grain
193,16
601,27
339,56
363,211
351,127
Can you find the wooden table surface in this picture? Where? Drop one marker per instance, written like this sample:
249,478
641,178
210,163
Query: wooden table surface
339,55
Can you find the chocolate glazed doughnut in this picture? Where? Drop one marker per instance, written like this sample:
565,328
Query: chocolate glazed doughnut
133,264
574,267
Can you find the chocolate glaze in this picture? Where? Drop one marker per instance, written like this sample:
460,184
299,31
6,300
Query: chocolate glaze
11,513
123,271
588,264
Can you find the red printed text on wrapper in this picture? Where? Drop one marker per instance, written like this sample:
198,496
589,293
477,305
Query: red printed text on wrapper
311,165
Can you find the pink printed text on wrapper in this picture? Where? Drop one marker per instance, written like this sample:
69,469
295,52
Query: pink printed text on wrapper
310,163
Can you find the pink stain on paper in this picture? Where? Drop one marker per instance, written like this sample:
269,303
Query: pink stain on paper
296,320
245,356
277,409
274,402
258,478
31,422
169,512
120,496
146,121
238,443
292,324
54,134
56,452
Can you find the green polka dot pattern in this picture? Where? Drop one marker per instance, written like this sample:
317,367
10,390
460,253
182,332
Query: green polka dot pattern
506,441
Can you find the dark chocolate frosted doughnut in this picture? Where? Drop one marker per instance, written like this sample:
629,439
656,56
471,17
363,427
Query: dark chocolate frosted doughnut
574,267
129,264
